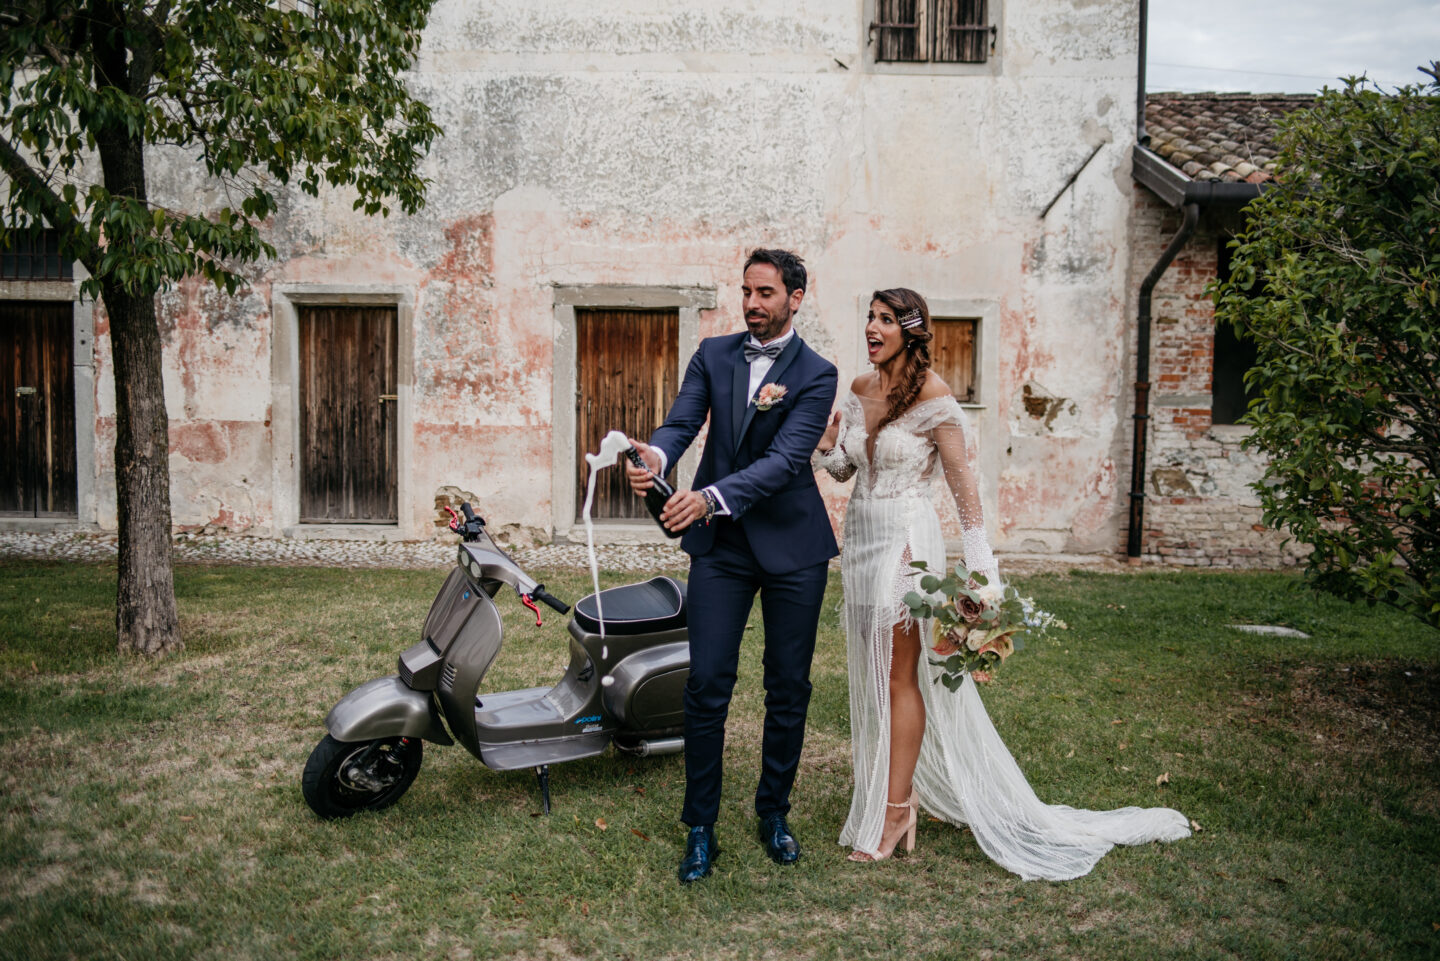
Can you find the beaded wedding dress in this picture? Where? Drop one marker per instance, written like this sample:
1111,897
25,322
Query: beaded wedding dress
965,774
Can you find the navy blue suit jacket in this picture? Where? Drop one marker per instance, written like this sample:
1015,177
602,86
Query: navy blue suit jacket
759,460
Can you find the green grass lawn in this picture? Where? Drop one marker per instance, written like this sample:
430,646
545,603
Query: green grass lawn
152,810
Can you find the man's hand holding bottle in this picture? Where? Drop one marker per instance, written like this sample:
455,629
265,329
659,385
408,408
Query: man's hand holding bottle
675,511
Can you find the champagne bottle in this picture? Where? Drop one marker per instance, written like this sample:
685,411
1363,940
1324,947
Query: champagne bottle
660,491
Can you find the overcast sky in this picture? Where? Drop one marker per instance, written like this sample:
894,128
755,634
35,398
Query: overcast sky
1287,46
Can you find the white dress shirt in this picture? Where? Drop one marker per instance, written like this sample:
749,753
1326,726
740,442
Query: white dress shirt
759,367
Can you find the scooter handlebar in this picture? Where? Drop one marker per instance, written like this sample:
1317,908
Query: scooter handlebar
540,594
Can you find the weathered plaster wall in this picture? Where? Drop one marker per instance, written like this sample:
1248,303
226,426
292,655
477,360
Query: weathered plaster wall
1200,508
620,143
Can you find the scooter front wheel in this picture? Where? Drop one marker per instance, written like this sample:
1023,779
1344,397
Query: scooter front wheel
343,778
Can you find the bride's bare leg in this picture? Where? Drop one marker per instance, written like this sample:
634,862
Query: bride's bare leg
907,716
907,729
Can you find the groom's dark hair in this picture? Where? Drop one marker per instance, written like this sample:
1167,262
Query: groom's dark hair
791,267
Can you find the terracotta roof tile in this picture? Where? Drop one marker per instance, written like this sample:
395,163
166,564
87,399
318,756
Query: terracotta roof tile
1228,137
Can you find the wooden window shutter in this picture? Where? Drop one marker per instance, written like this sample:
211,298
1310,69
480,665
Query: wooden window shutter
941,31
961,33
952,355
899,30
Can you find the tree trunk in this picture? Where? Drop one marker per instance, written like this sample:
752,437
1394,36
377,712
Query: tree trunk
145,618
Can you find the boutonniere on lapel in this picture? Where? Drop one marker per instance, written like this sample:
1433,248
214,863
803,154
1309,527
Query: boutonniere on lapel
769,396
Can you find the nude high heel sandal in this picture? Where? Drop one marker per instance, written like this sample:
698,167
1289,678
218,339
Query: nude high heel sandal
890,841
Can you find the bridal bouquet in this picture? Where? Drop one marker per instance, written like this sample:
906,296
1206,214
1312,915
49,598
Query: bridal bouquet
976,625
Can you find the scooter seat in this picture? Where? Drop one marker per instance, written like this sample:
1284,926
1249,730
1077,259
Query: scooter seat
649,608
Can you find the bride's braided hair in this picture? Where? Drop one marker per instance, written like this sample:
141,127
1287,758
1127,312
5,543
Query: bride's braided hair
916,340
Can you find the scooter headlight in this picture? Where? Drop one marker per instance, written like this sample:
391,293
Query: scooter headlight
469,564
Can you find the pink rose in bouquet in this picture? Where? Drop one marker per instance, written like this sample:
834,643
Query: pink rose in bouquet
969,610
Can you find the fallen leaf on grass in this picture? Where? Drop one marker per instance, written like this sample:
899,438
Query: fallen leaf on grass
187,817
640,834
1195,826
1162,779
1072,753
1118,720
600,823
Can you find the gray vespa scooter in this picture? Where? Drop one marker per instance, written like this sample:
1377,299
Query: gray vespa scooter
623,688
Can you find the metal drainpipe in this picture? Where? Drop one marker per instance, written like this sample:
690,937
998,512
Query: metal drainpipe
1142,382
1141,136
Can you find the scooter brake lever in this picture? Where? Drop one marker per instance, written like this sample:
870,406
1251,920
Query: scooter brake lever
525,599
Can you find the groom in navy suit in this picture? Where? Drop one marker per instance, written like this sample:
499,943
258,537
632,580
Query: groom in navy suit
753,522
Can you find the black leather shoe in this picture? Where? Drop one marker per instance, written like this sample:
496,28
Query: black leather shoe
780,844
700,853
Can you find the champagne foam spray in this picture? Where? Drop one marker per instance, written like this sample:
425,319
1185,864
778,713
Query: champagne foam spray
614,444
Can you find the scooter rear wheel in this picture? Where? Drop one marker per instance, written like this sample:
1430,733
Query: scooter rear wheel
343,778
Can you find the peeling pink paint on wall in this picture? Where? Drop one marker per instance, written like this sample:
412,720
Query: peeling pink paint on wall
536,187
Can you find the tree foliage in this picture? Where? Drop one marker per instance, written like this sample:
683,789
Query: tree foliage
1336,278
261,94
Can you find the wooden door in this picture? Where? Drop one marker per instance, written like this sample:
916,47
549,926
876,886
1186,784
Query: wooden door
348,415
627,379
37,408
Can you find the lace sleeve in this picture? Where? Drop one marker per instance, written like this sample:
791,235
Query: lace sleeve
837,461
954,441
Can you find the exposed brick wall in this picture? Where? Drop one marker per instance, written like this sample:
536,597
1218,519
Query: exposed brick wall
1200,510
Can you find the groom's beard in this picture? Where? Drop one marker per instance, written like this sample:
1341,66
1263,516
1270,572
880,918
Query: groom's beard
765,326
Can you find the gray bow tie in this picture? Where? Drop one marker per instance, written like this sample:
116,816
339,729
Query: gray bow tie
771,350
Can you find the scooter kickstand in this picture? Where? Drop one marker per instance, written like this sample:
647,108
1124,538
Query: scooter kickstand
542,773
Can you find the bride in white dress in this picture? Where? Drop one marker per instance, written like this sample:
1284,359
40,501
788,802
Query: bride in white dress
914,743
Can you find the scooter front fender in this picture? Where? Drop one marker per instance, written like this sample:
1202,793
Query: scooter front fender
385,707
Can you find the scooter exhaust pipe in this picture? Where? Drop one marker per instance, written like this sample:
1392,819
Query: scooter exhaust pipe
666,745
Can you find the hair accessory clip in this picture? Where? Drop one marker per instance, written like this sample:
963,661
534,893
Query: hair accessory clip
911,319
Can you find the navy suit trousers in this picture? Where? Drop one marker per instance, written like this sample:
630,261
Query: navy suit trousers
722,587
